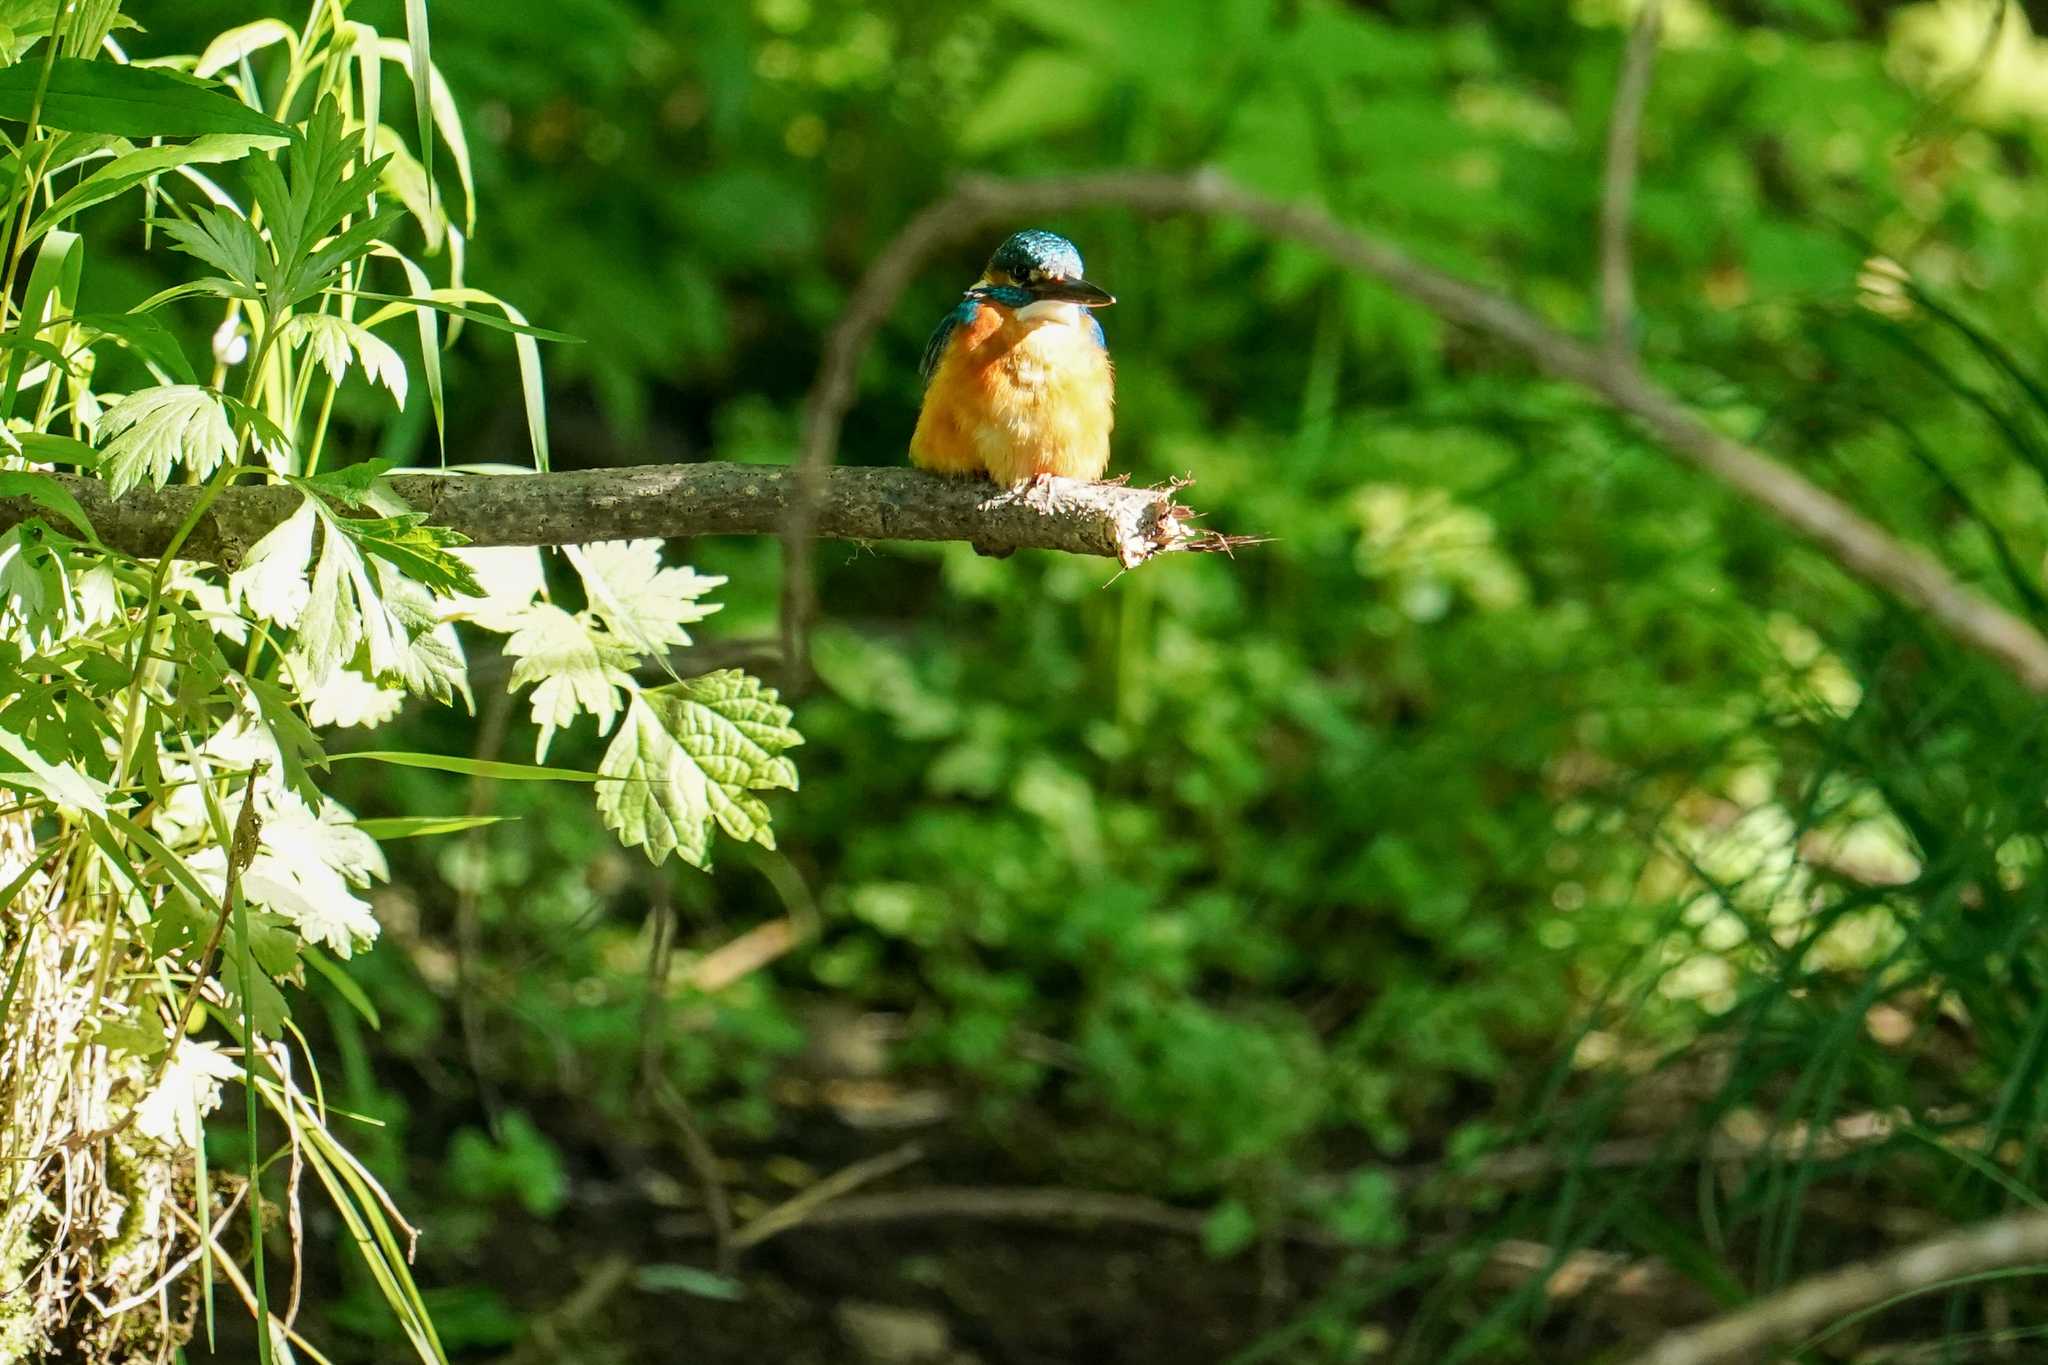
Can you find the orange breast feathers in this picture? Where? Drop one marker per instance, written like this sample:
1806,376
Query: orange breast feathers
1019,393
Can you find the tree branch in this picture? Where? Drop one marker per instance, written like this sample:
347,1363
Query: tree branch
1857,544
1793,1314
1129,525
1618,193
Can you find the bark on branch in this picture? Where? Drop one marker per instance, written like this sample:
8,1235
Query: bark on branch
1794,1314
1853,541
1129,525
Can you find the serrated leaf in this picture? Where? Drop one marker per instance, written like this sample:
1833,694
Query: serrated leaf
152,430
223,240
348,698
349,483
638,600
355,604
576,667
35,594
429,661
688,760
333,341
297,746
272,578
418,549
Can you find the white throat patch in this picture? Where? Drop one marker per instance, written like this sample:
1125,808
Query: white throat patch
1051,310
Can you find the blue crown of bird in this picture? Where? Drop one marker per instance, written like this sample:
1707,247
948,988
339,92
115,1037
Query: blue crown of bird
1018,384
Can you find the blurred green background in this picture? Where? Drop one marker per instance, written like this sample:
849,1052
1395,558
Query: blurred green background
1526,793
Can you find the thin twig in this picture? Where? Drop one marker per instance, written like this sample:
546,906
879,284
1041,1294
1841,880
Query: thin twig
1510,1262
1792,1314
468,909
1618,193
811,1203
661,1093
603,1281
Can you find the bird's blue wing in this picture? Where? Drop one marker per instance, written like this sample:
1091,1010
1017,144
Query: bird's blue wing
1095,326
935,349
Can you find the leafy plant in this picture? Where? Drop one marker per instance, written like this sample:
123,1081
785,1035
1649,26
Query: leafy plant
172,862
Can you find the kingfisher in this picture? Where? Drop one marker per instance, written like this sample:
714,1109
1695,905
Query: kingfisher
1018,384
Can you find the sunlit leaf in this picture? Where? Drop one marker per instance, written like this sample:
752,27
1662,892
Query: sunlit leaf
132,101
271,580
150,432
132,168
238,42
333,341
60,782
689,759
638,600
575,668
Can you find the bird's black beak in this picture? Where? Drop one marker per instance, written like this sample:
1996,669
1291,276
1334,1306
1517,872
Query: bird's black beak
1074,291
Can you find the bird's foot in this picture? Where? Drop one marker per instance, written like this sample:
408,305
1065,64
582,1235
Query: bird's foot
1024,490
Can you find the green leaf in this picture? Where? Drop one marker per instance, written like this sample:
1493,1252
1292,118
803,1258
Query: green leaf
238,42
349,483
271,580
1042,93
223,240
639,601
151,430
354,604
419,45
60,782
324,263
689,759
36,607
333,342
297,746
667,1278
468,767
1229,1229
429,325
577,667
416,547
46,490
264,1007
131,1036
132,101
131,169
145,336
344,985
52,293
439,301
54,449
421,826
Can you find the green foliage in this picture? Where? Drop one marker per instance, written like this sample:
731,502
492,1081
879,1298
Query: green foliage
1525,792
519,1164
160,750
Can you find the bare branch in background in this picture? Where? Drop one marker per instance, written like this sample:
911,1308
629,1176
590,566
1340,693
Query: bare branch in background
1618,192
1129,525
1794,1314
1854,542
